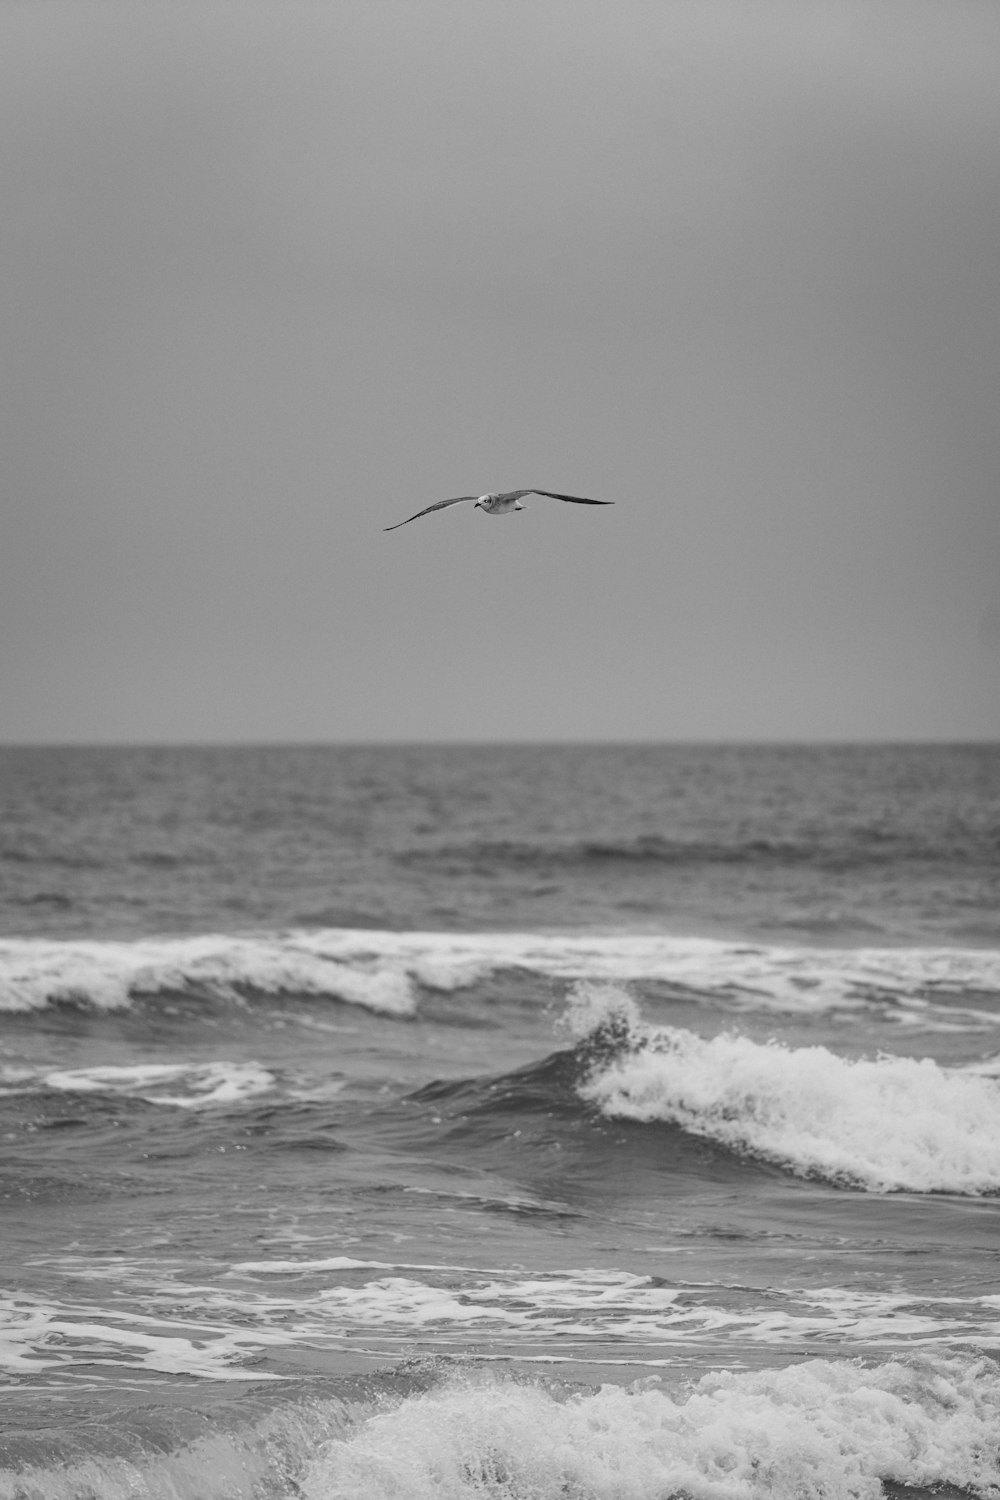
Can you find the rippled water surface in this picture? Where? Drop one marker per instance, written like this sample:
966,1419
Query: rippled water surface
511,1121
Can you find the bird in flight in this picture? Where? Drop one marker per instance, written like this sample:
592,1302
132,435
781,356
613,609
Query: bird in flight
496,504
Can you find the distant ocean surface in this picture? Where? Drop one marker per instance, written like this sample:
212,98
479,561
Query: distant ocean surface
594,1123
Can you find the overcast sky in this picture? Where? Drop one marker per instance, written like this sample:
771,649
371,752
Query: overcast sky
273,277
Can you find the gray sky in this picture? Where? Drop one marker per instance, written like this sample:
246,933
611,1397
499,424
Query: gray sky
272,277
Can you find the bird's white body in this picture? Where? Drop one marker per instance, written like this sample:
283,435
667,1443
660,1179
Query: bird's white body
496,504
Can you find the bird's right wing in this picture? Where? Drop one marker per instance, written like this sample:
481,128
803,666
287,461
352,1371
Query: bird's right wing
438,505
576,499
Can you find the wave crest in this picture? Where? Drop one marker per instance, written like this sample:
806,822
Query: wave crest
887,1124
813,1431
108,975
816,1430
935,988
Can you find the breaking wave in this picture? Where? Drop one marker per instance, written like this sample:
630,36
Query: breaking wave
936,988
815,1430
109,975
884,1124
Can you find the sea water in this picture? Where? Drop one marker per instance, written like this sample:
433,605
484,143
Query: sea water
500,1121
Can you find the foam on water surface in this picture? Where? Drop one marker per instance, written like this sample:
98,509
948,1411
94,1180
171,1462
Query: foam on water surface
814,1430
831,1431
384,971
159,1317
39,1338
35,973
884,1124
181,1085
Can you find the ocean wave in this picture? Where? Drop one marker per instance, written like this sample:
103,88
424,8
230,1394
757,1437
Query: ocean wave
646,848
819,1429
934,988
859,849
814,1430
35,973
885,1124
158,1452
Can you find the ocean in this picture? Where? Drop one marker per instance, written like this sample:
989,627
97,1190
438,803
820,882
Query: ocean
513,1121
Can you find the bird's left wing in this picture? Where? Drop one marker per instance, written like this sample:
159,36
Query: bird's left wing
576,499
438,505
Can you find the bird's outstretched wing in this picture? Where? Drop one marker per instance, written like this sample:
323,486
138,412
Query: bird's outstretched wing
576,499
438,505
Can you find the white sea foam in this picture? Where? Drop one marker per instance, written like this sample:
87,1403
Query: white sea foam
585,1316
884,1124
182,1085
813,1431
595,1311
384,971
107,975
37,1336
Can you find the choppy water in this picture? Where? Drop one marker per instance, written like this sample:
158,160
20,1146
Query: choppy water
514,1122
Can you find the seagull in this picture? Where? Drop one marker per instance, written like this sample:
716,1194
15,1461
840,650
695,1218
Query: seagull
496,503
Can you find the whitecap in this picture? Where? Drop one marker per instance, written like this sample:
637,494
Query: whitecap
935,988
108,975
818,1430
884,1124
180,1085
815,1430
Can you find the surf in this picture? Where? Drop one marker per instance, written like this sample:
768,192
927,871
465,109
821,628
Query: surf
388,972
883,1124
